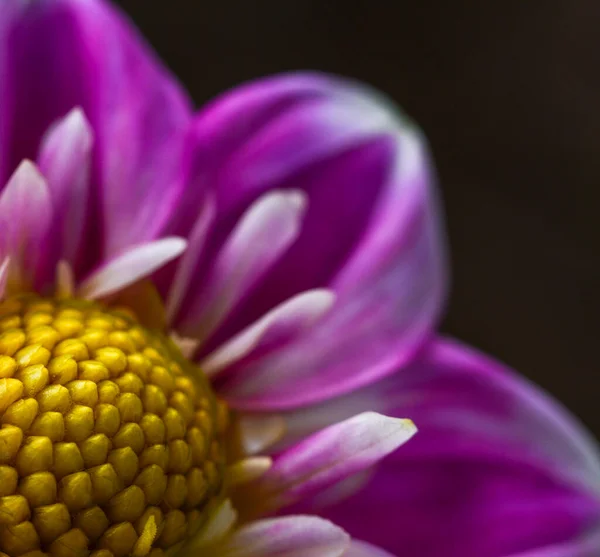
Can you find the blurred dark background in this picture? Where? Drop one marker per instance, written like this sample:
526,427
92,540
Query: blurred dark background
508,93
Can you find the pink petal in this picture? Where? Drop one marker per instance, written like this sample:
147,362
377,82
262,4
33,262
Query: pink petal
266,230
586,546
25,214
134,264
64,160
282,324
331,455
289,536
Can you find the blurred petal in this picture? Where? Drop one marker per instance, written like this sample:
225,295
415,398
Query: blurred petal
261,237
331,455
3,275
371,230
588,546
290,536
498,468
64,160
61,54
219,523
25,214
260,431
361,549
134,264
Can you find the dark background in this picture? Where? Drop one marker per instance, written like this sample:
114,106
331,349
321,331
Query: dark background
508,93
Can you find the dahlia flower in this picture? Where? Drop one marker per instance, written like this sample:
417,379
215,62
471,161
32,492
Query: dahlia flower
214,324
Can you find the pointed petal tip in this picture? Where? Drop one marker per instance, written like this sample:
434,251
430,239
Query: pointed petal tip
27,168
132,265
77,122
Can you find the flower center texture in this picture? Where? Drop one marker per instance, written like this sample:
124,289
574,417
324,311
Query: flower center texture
111,443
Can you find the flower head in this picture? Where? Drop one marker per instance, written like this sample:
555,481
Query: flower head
202,314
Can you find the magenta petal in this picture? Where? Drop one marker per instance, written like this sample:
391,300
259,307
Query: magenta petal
371,234
65,53
259,239
497,469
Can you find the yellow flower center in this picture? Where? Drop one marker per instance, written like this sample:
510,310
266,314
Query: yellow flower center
111,443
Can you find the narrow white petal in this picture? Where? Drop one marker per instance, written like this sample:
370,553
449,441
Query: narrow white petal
64,159
289,536
220,523
264,233
134,264
65,279
25,214
194,252
4,276
258,432
285,321
333,454
248,469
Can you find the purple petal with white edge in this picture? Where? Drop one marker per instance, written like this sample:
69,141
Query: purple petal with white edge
371,232
289,536
361,549
25,214
498,468
331,455
64,160
263,234
282,324
134,264
62,54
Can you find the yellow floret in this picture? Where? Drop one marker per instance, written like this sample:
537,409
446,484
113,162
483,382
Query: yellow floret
111,444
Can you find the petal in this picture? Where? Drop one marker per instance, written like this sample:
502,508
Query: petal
134,264
282,324
497,469
4,275
331,455
371,232
184,272
25,214
265,232
61,54
219,524
64,160
362,549
260,431
290,536
587,546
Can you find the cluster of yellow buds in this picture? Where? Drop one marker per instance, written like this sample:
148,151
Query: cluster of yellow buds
111,443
